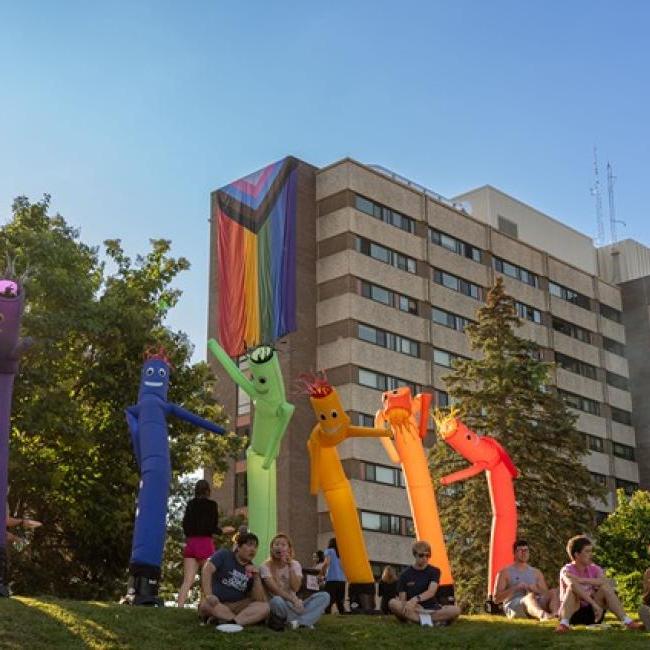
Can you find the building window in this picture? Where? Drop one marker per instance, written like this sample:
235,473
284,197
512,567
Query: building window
455,245
508,227
447,319
441,398
615,347
572,330
569,295
526,312
594,443
623,451
365,420
380,381
516,272
386,523
388,297
610,313
630,487
621,416
601,479
580,403
382,474
445,358
241,490
458,284
576,366
388,340
385,255
384,214
618,381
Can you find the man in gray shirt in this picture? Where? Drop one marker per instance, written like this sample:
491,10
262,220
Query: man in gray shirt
522,588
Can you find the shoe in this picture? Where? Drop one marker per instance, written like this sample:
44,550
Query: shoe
293,625
634,625
562,628
229,627
644,615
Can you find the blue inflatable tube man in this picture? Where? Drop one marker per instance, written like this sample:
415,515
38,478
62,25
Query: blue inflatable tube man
147,422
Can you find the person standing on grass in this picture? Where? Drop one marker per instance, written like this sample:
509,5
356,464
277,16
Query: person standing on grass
387,587
522,588
585,592
234,584
334,577
282,576
644,612
200,523
416,588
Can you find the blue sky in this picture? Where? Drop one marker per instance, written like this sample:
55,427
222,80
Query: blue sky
130,113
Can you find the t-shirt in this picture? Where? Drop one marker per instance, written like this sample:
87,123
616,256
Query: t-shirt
281,575
230,582
416,581
334,570
591,571
201,518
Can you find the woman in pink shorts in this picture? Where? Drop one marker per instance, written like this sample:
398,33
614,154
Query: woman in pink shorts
200,523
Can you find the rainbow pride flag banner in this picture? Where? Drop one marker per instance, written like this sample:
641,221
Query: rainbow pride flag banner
255,218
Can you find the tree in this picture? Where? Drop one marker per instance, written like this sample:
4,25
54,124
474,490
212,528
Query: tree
506,394
623,544
71,463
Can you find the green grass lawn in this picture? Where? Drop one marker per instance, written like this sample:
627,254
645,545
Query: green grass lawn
52,624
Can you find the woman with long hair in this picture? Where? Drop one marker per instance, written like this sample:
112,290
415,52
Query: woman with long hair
200,523
387,587
282,577
334,577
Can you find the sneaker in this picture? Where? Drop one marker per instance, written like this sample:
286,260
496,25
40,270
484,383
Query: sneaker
562,628
293,625
644,615
425,620
229,627
634,625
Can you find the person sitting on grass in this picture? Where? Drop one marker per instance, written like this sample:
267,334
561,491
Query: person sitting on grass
387,587
585,592
416,589
234,584
282,577
522,588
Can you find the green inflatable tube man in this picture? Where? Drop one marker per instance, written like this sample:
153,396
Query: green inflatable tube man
272,416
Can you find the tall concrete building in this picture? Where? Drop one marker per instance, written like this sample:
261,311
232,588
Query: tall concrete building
389,275
627,263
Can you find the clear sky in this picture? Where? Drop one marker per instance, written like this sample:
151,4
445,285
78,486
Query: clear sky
130,113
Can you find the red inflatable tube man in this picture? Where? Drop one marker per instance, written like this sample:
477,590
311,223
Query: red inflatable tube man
486,455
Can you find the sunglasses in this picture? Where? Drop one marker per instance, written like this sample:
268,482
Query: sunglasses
423,555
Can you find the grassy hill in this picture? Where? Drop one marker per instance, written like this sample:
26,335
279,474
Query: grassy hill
66,624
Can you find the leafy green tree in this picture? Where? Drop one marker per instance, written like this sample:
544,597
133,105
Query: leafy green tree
623,545
506,394
71,462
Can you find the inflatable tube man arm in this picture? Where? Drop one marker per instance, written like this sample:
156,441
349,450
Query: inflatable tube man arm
368,432
283,415
389,446
314,461
231,368
132,413
463,474
193,418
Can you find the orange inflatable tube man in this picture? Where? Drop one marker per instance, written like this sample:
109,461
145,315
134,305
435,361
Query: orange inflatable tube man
408,419
486,455
327,475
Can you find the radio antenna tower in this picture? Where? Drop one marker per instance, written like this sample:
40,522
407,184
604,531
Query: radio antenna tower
612,211
595,191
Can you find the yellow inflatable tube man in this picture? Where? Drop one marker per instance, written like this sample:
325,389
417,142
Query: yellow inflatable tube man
327,474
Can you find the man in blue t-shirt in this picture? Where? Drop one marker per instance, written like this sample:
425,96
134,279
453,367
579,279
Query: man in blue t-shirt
232,585
416,590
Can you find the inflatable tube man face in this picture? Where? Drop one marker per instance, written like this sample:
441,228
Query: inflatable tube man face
333,421
154,378
267,376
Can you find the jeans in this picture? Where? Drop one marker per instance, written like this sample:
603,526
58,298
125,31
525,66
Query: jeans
314,607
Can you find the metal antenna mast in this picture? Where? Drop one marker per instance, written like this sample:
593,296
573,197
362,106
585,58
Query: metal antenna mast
612,211
595,191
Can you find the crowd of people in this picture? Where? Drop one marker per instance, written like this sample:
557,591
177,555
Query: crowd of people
237,593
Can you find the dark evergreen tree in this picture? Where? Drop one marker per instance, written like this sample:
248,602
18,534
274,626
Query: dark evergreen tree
506,394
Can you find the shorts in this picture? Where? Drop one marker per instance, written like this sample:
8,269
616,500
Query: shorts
515,608
585,616
199,548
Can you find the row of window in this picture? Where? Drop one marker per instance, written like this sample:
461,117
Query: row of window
380,381
594,443
386,255
386,523
388,297
385,214
383,474
629,486
569,295
516,272
445,358
455,245
450,320
388,340
591,406
457,284
576,366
